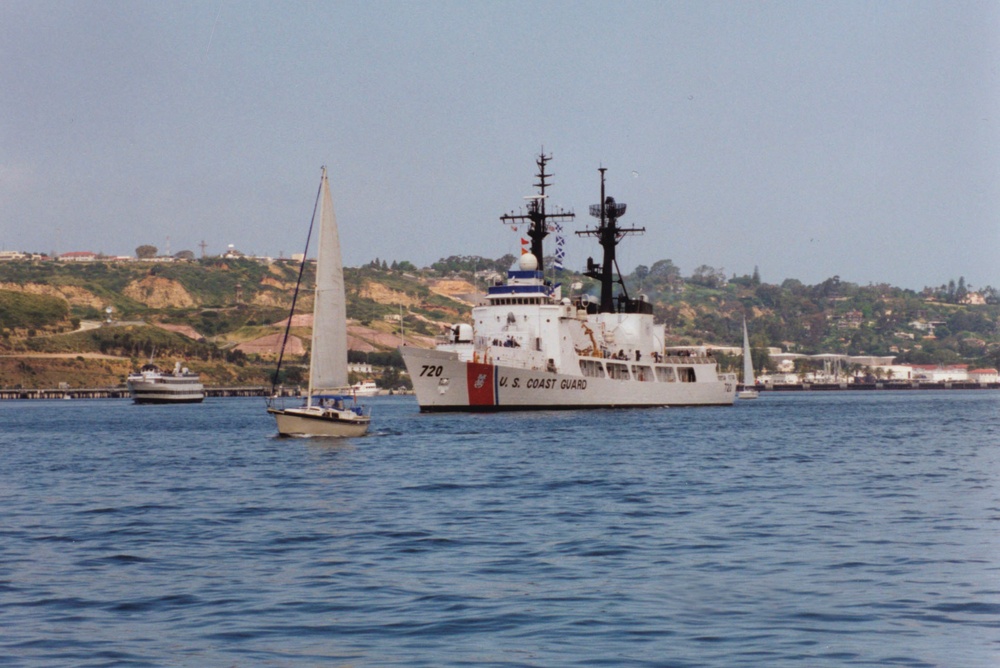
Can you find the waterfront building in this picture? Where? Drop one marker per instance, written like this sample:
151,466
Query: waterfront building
984,376
940,373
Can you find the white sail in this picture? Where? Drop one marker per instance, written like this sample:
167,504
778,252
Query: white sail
748,381
325,415
328,360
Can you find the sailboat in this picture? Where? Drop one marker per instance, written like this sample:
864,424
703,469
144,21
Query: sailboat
329,410
749,384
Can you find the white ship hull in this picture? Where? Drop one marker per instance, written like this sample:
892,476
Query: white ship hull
143,392
443,382
151,386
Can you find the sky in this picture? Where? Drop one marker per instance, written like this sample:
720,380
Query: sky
808,140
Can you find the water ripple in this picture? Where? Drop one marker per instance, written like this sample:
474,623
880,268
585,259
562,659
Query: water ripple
839,530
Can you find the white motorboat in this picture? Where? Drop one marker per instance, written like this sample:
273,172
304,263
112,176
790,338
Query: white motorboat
150,385
365,388
529,347
329,409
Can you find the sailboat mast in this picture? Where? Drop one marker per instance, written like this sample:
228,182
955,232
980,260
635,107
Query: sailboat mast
324,193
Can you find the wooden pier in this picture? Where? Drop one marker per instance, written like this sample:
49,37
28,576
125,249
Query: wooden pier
865,387
122,393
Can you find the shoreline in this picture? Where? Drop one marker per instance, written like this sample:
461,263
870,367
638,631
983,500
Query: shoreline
870,387
263,391
121,392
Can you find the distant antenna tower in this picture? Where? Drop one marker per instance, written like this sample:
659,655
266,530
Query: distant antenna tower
203,246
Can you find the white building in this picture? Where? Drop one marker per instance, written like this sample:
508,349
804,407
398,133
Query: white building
940,373
984,376
78,256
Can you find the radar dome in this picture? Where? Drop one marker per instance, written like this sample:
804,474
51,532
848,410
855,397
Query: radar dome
528,262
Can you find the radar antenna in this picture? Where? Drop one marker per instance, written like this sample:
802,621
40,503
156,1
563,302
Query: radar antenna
609,235
536,215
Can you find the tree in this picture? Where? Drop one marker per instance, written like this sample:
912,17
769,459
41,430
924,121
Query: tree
769,295
146,251
710,277
794,286
502,264
761,358
640,273
755,280
184,255
961,292
831,287
664,270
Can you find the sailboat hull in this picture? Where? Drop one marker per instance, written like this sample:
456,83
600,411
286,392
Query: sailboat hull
310,421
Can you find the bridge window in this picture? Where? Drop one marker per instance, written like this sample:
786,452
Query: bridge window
592,368
665,374
617,371
642,373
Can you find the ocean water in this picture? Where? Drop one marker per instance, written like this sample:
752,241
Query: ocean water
827,529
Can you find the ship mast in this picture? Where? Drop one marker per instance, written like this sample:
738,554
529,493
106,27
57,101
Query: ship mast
538,227
608,235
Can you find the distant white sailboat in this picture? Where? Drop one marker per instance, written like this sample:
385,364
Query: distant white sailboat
749,384
326,411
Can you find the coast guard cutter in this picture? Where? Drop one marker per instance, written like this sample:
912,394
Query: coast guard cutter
530,348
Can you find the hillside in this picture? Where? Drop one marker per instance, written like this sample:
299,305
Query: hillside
226,318
87,323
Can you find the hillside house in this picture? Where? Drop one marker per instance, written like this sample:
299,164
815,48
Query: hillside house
78,256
